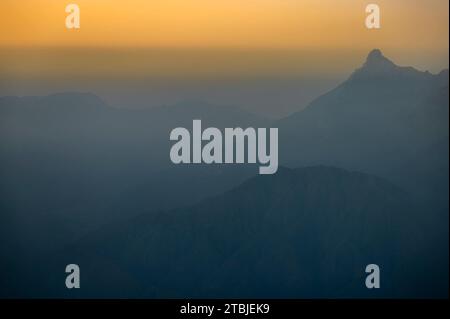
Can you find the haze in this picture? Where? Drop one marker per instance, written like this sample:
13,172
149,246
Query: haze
269,56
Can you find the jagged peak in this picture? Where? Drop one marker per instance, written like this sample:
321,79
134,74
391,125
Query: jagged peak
376,60
377,65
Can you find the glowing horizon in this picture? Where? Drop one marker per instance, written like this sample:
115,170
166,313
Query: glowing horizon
270,24
180,48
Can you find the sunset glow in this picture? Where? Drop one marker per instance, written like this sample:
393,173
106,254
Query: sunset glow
409,24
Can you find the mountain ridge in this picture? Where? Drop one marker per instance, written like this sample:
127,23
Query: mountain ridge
304,232
376,121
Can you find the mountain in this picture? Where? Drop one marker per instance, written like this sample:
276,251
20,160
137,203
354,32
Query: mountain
384,119
69,163
305,232
83,118
83,182
58,102
67,146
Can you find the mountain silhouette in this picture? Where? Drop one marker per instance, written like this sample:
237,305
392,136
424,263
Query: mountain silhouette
377,65
70,163
377,62
305,232
83,181
384,119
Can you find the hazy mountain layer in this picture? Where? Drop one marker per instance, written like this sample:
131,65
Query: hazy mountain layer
300,233
388,120
75,173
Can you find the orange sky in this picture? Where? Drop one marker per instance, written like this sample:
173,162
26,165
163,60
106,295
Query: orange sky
260,53
406,24
215,38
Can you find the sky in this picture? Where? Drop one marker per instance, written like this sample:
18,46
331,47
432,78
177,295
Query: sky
177,46
406,24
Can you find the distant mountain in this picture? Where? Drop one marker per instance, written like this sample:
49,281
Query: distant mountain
385,119
78,138
378,66
55,102
68,116
306,232
69,161
86,182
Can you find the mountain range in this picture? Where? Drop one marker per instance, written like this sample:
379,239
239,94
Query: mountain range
387,120
83,181
301,233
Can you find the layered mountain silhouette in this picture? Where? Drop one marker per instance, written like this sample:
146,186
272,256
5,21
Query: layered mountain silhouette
70,163
300,233
83,181
388,120
68,147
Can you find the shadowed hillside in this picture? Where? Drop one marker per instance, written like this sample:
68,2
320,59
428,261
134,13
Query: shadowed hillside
300,233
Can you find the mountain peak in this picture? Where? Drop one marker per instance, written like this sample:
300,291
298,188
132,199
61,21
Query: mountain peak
376,60
377,65
375,54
